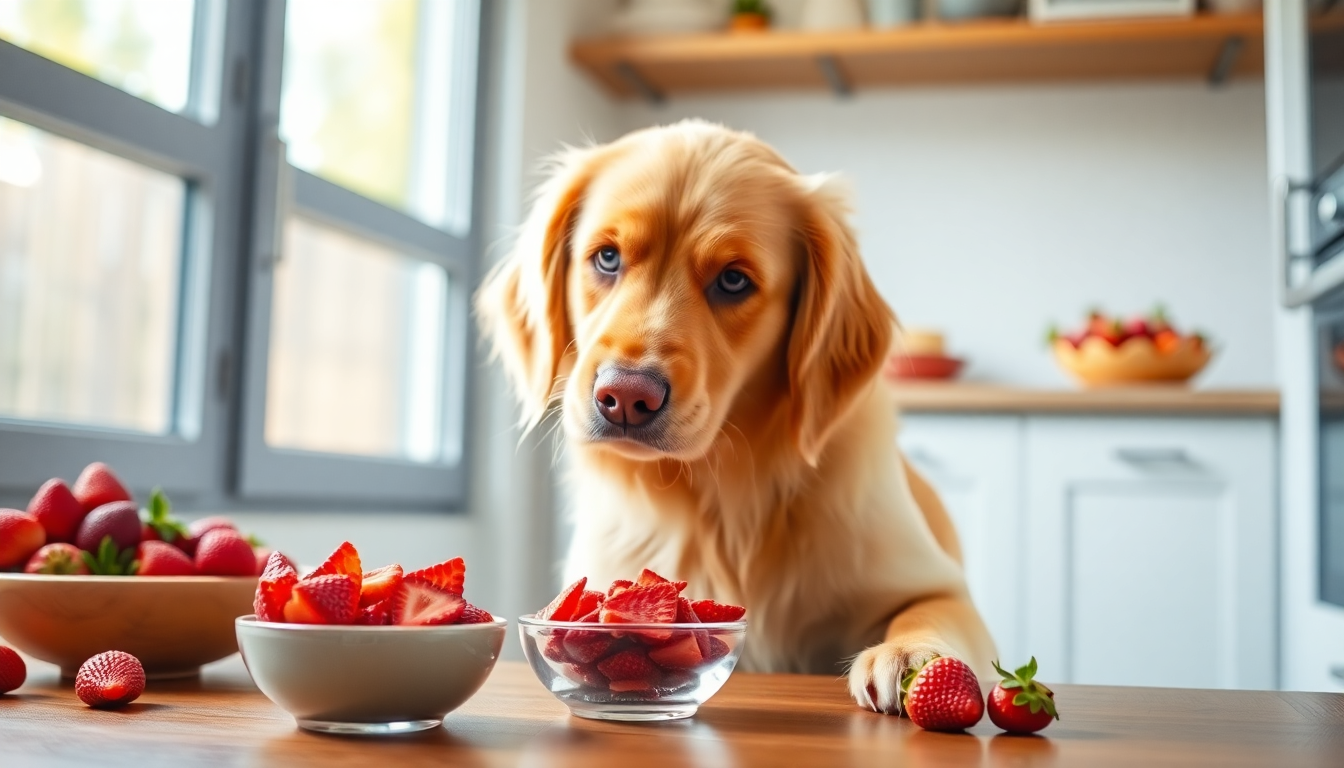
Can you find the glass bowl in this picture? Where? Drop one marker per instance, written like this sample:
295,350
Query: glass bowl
634,672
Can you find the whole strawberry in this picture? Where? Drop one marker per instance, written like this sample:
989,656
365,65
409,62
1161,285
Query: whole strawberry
98,485
57,510
943,695
12,670
21,535
58,559
224,552
118,519
1019,704
159,558
110,680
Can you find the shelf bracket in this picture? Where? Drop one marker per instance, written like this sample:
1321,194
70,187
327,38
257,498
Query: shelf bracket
643,87
830,69
1227,58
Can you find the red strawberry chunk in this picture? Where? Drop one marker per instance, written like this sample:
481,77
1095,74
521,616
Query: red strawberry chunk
717,649
651,604
449,575
631,664
378,585
711,612
554,647
682,654
330,599
586,646
418,602
565,606
373,615
589,601
473,615
647,577
619,585
274,589
591,618
344,561
584,674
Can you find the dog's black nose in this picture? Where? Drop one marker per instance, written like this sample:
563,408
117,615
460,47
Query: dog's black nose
629,397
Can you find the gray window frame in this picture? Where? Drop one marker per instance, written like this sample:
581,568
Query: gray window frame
224,146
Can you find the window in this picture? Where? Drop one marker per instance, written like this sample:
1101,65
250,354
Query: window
237,264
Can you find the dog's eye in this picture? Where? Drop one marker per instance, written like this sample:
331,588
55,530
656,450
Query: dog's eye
607,260
733,282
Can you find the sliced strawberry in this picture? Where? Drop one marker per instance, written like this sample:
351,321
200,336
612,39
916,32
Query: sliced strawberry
378,585
275,588
374,615
329,599
473,615
449,575
631,664
711,612
589,601
717,649
554,647
418,602
682,654
584,674
647,577
619,585
592,617
344,561
586,646
686,615
652,604
566,604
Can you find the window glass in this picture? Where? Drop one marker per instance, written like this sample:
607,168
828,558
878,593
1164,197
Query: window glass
140,46
357,348
373,100
90,260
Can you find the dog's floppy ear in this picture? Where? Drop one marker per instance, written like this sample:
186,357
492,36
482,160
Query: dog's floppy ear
842,329
521,304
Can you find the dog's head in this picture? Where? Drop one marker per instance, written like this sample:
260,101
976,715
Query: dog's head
679,279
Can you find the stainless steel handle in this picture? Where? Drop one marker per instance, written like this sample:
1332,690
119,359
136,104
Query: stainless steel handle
1147,457
1289,294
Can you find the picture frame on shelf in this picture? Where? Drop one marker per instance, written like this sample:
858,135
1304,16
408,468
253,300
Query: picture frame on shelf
1079,10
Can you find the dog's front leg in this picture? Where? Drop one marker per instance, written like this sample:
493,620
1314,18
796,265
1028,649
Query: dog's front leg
934,626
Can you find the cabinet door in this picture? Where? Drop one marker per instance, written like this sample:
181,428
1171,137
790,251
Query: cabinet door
974,462
1151,551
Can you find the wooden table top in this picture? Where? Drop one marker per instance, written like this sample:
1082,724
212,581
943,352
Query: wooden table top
772,720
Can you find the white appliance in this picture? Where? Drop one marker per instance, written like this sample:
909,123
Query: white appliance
1304,92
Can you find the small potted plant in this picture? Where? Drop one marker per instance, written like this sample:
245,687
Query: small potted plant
750,16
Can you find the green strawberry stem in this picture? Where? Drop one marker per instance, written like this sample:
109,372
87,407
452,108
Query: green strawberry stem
158,516
111,561
1035,696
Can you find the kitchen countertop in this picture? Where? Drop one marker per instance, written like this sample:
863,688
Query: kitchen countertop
1170,400
771,720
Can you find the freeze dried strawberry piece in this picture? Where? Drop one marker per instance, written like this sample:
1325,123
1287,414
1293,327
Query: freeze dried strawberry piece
651,604
379,584
589,601
565,606
591,618
682,654
647,577
449,575
373,615
631,664
585,646
686,615
554,647
717,649
711,612
474,615
619,585
420,603
344,561
584,674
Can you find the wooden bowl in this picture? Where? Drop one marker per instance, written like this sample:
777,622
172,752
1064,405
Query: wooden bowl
901,366
173,624
1096,363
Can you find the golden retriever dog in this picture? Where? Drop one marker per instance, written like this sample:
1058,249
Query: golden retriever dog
699,314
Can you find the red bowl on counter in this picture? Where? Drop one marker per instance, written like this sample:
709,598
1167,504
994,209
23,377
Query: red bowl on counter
923,367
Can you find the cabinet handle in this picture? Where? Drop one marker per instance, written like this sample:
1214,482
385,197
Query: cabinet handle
1145,457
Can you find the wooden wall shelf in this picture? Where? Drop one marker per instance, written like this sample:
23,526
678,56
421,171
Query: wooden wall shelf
988,51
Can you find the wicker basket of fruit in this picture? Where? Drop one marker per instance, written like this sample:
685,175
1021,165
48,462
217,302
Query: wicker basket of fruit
1108,351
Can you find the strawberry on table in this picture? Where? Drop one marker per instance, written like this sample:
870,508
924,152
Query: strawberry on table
274,588
1019,704
57,509
223,552
98,485
943,695
110,680
418,602
159,558
59,559
565,606
13,671
21,535
331,599
449,575
379,584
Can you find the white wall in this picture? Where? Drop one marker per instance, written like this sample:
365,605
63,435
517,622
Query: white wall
993,212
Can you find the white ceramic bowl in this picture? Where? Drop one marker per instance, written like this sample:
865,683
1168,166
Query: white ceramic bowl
368,680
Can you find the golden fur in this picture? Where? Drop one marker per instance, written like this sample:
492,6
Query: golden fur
772,481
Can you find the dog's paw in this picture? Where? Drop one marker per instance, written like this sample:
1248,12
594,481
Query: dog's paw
875,677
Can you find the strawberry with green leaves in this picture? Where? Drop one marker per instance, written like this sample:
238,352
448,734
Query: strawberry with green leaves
1019,704
943,695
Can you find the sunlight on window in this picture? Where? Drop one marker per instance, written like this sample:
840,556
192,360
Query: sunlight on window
90,253
357,348
140,46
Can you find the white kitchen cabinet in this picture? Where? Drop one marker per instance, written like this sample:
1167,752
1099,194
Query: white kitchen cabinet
1151,550
975,464
1120,550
